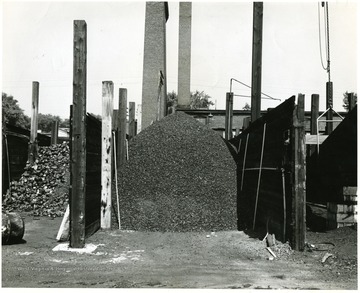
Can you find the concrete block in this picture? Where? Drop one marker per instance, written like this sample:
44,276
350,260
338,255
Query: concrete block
349,190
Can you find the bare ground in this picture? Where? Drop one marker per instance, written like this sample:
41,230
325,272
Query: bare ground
224,259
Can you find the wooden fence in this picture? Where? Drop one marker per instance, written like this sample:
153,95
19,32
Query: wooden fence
336,165
270,157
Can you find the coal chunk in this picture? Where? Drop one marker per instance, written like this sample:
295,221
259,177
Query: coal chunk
180,177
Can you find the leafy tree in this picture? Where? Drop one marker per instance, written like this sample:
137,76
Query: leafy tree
45,122
247,107
346,100
198,100
172,99
12,113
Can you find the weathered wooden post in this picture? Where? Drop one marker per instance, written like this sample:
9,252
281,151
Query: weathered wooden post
33,144
256,61
78,158
121,154
314,116
351,100
106,151
131,120
299,176
54,132
229,115
329,105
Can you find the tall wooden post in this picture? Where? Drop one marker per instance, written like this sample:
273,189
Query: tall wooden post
329,104
351,100
78,159
131,120
256,61
314,117
298,222
121,154
33,144
54,132
229,115
106,152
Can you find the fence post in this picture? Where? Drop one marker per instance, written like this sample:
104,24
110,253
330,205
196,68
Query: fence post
54,132
78,161
121,154
33,144
106,151
314,116
131,120
229,115
299,176
351,100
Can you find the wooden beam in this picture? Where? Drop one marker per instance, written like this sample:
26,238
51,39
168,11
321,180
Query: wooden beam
351,100
299,176
78,160
256,60
131,120
121,154
329,104
228,115
314,117
106,151
33,144
54,132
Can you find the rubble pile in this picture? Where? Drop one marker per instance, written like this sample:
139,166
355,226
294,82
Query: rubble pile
43,187
180,177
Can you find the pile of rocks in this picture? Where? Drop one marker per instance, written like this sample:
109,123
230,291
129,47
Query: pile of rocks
43,187
180,176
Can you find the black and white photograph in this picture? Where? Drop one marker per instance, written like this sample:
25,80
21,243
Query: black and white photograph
179,145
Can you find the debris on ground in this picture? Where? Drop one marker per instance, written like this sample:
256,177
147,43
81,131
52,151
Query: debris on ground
38,189
180,177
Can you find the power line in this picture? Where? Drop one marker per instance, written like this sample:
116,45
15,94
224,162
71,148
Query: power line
321,57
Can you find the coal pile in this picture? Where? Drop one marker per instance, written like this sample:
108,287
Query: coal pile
43,187
180,177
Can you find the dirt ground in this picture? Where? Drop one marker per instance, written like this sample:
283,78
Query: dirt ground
224,259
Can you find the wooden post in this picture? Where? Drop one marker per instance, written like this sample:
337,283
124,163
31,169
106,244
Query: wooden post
33,144
313,121
106,151
329,104
229,115
299,177
54,132
78,160
131,120
121,154
256,61
246,122
351,100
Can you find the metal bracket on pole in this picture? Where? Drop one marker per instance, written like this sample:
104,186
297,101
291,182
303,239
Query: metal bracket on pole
317,124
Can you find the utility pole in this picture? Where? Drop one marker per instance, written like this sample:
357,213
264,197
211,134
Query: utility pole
256,60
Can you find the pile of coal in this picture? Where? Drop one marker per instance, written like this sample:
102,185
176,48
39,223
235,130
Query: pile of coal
43,187
180,177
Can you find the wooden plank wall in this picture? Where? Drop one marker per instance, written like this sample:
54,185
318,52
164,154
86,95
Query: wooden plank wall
336,165
266,196
93,175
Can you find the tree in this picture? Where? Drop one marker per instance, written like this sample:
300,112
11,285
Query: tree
172,99
346,100
247,107
198,100
45,122
12,113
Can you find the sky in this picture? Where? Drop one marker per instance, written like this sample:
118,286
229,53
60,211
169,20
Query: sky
37,45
